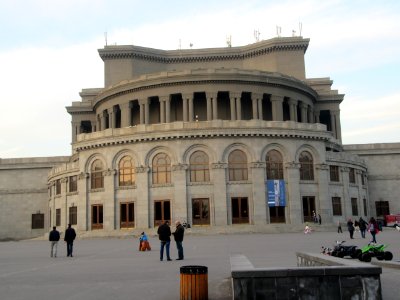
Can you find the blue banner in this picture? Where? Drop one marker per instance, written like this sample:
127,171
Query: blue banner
276,193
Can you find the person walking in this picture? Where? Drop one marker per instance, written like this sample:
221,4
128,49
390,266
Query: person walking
339,227
164,235
178,236
363,227
373,229
319,219
54,237
69,239
350,228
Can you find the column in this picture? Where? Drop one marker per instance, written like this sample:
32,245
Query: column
75,130
260,207
215,106
93,124
336,114
103,120
233,107
168,110
310,114
147,111
220,196
98,123
293,110
254,104
294,205
238,98
185,107
333,125
125,115
209,107
190,102
260,107
303,108
277,109
141,112
316,115
324,201
111,118
162,109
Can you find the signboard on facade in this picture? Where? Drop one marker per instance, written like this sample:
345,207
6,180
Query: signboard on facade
276,193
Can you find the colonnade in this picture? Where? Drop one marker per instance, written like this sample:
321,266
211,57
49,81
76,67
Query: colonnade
282,109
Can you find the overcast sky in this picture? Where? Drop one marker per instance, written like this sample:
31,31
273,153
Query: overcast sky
48,53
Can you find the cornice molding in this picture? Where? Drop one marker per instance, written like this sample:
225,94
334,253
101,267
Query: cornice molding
204,55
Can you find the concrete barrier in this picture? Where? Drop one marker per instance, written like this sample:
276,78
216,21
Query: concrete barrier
317,277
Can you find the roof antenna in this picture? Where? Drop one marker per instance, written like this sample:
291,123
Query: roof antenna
105,37
229,41
278,31
300,28
257,35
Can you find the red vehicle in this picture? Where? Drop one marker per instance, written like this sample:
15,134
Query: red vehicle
392,220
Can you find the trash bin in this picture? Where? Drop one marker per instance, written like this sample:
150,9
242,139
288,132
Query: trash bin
194,283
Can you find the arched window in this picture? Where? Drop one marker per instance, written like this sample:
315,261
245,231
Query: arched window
274,165
199,167
127,175
161,169
237,165
306,166
96,175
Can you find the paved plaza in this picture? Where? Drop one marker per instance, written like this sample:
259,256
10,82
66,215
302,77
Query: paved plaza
113,268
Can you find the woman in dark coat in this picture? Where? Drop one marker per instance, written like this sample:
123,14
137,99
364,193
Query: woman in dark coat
350,228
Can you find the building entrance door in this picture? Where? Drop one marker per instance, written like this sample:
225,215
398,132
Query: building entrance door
127,215
240,211
162,212
201,211
308,208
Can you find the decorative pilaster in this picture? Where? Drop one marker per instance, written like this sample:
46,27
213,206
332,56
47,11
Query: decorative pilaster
260,206
233,107
294,201
143,202
346,192
324,203
220,196
310,112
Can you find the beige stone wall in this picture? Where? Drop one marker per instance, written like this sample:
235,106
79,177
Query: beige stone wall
23,192
383,162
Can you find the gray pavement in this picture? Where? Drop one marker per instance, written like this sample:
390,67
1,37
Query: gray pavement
112,268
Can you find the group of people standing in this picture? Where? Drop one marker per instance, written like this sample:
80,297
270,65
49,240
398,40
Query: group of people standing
69,237
362,226
164,235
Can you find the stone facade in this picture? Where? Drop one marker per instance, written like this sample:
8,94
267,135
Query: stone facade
23,193
196,135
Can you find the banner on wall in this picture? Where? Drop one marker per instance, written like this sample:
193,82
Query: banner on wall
276,193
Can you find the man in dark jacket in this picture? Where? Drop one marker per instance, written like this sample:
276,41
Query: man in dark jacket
164,234
54,237
178,235
69,239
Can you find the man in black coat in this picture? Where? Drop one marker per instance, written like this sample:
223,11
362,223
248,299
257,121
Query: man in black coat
164,235
69,239
54,237
178,235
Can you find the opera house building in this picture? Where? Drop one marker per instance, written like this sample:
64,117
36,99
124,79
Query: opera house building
225,139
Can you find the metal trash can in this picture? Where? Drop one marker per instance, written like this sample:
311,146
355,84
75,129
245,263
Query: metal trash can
194,283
